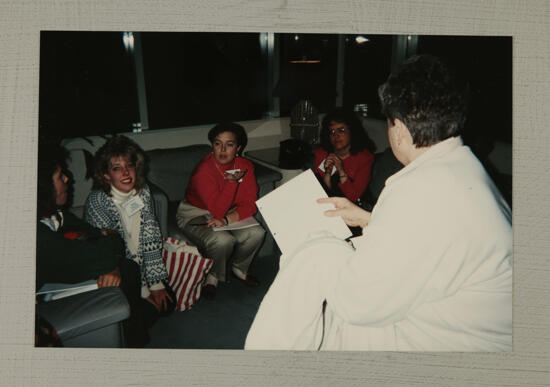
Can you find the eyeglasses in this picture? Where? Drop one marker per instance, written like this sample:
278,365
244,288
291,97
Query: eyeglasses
340,130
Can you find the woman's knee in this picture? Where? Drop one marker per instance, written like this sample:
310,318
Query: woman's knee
257,233
219,240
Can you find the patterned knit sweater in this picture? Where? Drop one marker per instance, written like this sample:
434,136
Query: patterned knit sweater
101,212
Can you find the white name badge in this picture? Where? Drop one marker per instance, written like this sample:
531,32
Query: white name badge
133,205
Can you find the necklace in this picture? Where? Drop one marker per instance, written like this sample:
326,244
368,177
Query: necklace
218,168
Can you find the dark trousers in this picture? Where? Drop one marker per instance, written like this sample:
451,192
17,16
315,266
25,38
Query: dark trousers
142,313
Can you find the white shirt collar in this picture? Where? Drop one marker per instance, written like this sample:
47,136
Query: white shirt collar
121,197
54,222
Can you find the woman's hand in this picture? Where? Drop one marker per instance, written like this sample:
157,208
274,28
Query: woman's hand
234,176
329,164
335,161
232,216
215,222
105,231
160,299
351,214
109,279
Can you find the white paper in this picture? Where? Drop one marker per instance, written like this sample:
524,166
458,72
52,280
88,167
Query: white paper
245,223
55,291
322,167
293,215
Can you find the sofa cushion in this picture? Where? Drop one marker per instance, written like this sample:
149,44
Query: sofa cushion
170,169
266,178
82,313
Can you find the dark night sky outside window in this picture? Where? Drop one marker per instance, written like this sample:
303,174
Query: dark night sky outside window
88,80
87,84
367,66
203,78
485,63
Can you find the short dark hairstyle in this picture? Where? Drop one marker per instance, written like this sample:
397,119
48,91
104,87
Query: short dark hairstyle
50,158
359,138
425,96
238,130
119,146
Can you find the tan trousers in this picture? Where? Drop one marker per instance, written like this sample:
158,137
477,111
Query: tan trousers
236,246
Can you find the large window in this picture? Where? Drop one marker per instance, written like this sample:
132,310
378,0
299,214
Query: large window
87,84
308,65
367,65
198,78
95,83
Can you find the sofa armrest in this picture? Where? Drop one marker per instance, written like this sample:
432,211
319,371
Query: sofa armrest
266,178
85,312
160,204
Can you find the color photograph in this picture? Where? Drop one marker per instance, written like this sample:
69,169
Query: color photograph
159,145
274,193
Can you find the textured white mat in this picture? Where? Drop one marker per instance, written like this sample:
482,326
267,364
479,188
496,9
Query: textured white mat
22,364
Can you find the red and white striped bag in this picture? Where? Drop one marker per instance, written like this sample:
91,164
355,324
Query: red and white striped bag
186,271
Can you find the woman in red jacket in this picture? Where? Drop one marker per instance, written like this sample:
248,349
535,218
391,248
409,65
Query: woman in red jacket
221,191
344,160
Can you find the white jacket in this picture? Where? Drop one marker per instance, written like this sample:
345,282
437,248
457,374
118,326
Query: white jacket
432,271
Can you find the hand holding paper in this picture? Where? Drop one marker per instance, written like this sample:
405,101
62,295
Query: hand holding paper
352,214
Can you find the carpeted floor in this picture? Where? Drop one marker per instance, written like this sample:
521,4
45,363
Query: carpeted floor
222,323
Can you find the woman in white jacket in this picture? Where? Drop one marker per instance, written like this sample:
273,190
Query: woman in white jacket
433,268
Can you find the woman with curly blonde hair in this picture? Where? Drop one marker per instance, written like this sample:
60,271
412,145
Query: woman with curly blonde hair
121,201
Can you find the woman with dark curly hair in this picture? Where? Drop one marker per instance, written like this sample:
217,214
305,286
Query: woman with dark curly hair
343,162
221,191
68,250
121,201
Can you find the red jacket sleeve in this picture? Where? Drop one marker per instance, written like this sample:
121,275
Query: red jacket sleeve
247,193
359,174
210,192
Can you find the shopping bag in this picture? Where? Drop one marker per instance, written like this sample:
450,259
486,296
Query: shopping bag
186,271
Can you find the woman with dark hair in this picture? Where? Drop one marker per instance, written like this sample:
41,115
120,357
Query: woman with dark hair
343,162
223,190
68,250
121,201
